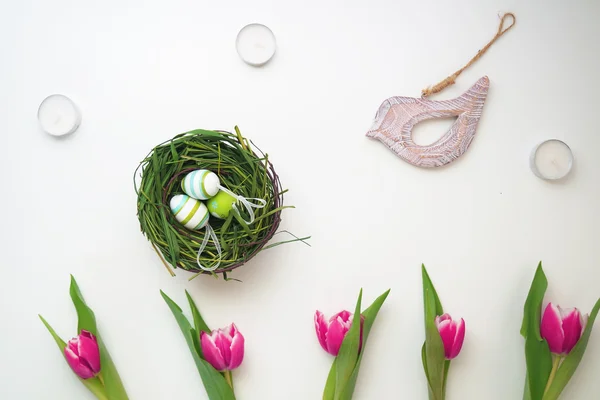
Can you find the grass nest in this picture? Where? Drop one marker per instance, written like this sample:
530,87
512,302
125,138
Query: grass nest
241,167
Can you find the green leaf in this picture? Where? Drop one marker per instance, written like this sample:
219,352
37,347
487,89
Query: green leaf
348,354
434,348
526,392
370,314
424,360
329,392
87,321
215,384
427,284
446,369
537,354
93,384
533,304
571,362
199,324
60,343
432,353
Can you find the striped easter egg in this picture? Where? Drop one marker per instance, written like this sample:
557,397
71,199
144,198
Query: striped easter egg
192,213
201,184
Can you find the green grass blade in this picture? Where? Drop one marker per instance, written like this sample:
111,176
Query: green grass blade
215,384
571,362
86,320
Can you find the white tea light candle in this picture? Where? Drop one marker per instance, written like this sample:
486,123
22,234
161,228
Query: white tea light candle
551,160
255,44
58,115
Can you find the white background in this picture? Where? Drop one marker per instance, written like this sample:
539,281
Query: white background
144,71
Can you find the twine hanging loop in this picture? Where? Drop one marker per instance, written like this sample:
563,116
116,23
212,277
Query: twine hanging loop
450,80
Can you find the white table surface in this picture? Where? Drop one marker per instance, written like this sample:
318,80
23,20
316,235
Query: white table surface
143,71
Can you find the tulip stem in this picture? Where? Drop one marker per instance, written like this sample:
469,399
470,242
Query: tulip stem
555,365
228,379
101,378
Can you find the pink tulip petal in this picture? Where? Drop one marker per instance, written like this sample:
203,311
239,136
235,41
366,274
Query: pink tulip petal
237,351
441,318
89,353
572,328
321,327
223,342
344,317
335,336
231,330
584,321
211,352
447,331
551,328
73,345
82,371
458,339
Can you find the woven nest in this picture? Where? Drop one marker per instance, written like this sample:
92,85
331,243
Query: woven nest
241,167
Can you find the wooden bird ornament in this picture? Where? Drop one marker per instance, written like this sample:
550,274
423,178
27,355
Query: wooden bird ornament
397,116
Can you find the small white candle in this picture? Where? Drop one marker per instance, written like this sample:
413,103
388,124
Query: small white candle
551,160
255,44
58,115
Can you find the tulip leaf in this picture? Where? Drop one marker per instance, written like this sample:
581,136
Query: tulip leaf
215,384
434,349
571,362
532,311
329,392
61,343
428,284
537,353
424,360
526,392
94,385
348,354
446,369
369,318
434,360
87,321
199,324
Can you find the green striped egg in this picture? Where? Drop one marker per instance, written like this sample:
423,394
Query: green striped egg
201,184
192,213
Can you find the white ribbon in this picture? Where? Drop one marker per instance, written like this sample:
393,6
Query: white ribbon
209,233
246,203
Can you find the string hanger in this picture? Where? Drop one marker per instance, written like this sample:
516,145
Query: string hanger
450,80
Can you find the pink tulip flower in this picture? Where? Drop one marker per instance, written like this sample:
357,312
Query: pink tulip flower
83,355
452,334
562,328
331,333
223,348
